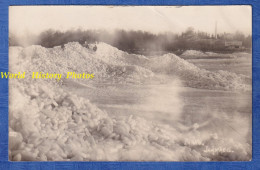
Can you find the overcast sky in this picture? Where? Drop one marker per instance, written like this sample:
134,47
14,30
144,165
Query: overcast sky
34,19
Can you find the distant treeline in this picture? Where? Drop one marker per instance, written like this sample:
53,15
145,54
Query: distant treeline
141,41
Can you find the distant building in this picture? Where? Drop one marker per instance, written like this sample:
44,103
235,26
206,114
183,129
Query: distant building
233,44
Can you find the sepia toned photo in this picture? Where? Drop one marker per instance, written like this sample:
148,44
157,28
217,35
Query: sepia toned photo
130,83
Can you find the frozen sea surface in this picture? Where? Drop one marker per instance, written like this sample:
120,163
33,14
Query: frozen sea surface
226,113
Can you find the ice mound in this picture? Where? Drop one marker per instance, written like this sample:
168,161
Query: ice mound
220,55
128,74
112,55
48,124
193,53
105,63
242,54
193,76
211,53
114,66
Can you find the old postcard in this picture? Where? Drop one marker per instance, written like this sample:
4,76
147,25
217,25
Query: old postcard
130,83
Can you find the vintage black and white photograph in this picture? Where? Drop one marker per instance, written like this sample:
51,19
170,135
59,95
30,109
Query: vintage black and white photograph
130,83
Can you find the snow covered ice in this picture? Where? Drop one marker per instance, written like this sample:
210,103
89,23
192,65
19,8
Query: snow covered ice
135,109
